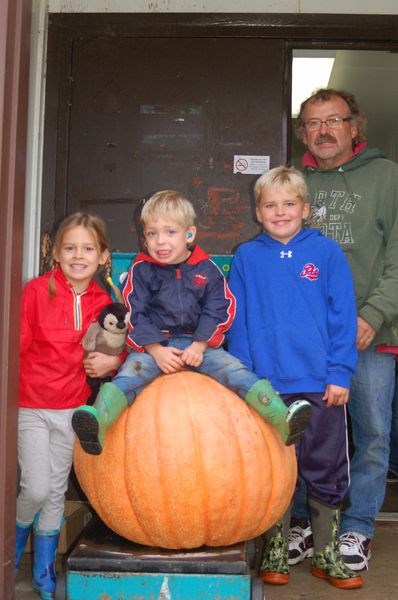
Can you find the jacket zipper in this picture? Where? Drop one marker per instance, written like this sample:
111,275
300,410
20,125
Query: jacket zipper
178,277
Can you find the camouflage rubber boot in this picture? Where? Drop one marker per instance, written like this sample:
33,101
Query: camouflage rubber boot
274,568
289,421
90,423
327,562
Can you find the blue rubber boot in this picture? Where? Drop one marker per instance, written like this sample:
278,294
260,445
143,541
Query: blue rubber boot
45,546
21,537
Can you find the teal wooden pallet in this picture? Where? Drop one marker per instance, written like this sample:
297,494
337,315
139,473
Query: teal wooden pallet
103,565
155,586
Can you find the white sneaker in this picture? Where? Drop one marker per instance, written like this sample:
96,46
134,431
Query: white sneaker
355,550
301,544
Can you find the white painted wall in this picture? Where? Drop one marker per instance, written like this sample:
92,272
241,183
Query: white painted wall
381,7
37,74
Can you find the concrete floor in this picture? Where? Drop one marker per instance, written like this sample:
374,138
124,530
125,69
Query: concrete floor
381,581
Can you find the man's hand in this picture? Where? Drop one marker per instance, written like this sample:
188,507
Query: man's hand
335,395
167,358
193,354
365,334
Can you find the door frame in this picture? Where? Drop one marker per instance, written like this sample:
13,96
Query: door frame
15,16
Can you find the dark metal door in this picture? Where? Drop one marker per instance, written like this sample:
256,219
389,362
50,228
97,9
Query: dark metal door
154,113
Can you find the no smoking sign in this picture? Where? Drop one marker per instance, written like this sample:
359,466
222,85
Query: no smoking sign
251,164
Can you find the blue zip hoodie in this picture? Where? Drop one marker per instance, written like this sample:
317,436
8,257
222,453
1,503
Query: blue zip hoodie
295,320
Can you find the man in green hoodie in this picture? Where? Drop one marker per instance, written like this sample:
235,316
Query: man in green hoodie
353,191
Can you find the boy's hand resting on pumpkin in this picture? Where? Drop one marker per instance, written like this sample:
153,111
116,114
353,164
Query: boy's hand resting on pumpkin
335,395
193,354
167,358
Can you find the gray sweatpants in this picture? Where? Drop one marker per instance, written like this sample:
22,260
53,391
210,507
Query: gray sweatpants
45,454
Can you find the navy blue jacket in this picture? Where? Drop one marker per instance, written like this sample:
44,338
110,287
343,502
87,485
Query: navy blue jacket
166,300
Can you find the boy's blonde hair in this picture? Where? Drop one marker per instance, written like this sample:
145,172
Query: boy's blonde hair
281,176
171,204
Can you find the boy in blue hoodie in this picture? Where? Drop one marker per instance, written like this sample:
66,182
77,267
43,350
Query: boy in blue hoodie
181,307
295,325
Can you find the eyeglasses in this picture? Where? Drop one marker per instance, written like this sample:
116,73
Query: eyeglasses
331,123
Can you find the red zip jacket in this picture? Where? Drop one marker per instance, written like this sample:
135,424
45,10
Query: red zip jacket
52,328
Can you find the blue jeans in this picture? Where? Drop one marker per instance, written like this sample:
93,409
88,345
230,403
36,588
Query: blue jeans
140,368
300,508
370,408
394,428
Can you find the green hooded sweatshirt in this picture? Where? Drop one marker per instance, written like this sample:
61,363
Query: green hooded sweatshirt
356,204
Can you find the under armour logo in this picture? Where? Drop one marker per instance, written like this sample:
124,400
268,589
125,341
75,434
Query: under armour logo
310,272
289,254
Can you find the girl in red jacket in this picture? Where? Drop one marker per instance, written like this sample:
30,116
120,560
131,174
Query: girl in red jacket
57,309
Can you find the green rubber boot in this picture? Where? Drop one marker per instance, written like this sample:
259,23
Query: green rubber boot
90,423
327,562
290,422
274,568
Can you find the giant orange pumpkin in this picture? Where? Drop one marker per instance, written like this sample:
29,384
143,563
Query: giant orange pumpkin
188,464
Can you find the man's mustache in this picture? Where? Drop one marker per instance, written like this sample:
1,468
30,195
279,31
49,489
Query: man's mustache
325,137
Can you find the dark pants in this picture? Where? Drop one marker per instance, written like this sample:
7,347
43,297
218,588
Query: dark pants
322,452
